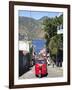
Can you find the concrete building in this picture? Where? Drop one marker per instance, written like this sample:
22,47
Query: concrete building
60,29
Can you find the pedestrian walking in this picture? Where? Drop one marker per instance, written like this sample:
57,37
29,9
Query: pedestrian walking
53,65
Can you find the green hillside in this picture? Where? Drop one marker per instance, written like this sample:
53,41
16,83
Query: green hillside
31,28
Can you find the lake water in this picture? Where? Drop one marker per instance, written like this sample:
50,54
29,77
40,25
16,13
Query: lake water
38,44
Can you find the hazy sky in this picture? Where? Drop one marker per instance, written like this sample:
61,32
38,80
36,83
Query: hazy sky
38,14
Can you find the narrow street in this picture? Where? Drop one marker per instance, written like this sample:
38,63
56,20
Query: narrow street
52,72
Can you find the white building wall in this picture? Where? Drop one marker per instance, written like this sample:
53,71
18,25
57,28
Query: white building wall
60,31
24,45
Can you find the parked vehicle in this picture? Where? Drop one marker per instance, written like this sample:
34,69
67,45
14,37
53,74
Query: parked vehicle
40,67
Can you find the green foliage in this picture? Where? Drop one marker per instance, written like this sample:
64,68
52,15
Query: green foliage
54,41
54,44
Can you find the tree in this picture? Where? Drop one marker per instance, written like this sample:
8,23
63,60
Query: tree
55,45
53,41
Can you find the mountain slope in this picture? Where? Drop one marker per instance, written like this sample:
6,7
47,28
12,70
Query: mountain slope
30,27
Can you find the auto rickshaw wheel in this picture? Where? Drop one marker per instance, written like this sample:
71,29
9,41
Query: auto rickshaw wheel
36,75
39,75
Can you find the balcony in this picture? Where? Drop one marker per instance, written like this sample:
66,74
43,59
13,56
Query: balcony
60,29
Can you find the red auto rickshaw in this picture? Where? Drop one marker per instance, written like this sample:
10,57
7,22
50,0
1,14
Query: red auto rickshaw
41,67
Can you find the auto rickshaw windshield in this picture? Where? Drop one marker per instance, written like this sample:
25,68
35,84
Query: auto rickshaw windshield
40,61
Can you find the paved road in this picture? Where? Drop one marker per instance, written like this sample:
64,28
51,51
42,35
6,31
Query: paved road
52,72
